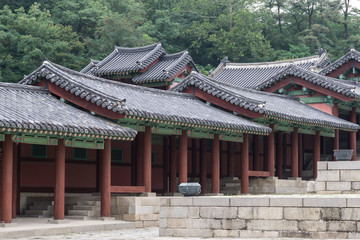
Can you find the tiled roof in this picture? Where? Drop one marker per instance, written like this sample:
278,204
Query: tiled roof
332,84
272,105
351,55
136,101
90,68
166,68
127,60
34,108
249,75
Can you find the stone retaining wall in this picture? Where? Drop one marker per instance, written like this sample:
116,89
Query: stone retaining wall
338,177
331,216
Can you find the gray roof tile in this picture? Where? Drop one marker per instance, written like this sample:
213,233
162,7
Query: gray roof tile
166,68
141,101
123,60
249,75
351,55
34,108
272,105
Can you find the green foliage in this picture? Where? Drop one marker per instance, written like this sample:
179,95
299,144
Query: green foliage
70,32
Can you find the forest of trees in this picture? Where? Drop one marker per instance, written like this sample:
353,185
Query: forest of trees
71,32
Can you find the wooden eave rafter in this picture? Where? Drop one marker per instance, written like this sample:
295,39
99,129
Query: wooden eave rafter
175,128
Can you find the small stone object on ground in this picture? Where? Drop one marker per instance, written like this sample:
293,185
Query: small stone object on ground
190,189
343,154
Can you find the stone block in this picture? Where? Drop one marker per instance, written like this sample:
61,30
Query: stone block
302,213
324,176
226,233
131,217
344,165
350,214
355,185
173,212
268,212
144,209
211,201
218,212
286,201
233,224
181,201
310,188
353,202
193,212
179,223
350,175
201,233
329,235
330,214
354,235
206,223
151,224
166,232
312,226
249,201
338,186
139,224
150,201
164,201
246,213
190,188
320,186
342,226
322,165
324,202
272,225
149,217
258,234
163,223
295,234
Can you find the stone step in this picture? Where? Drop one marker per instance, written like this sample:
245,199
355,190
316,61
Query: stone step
85,213
41,207
42,213
81,217
86,207
89,203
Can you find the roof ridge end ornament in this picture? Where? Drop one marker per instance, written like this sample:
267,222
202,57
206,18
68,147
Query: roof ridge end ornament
225,60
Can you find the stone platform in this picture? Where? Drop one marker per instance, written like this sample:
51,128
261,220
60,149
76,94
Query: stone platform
266,216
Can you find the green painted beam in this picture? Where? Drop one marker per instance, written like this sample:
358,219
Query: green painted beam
33,139
155,84
84,144
2,137
231,138
307,131
283,128
308,100
327,134
345,107
199,134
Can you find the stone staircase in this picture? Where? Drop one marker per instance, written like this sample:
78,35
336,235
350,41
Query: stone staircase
85,209
39,207
76,207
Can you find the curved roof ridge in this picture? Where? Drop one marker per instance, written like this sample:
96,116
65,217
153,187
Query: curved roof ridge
274,63
137,49
174,55
176,62
148,55
352,54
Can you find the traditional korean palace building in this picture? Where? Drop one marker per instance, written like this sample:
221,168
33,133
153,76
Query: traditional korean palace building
142,121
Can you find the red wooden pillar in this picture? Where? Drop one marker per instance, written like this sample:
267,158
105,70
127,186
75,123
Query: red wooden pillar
59,195
316,152
15,180
215,175
147,159
7,177
294,153
165,164
183,155
279,154
203,166
352,135
336,144
256,152
245,164
139,159
172,160
106,179
300,154
271,151
231,159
